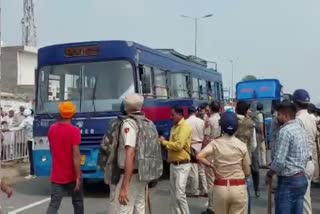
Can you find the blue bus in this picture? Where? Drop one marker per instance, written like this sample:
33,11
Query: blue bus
96,76
265,91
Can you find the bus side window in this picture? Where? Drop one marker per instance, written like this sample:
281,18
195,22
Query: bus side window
160,84
146,81
195,88
179,85
216,90
203,90
209,90
221,93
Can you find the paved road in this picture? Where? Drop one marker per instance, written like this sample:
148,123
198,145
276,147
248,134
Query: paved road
32,197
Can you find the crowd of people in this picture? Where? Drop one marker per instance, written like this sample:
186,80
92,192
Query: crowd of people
211,154
12,122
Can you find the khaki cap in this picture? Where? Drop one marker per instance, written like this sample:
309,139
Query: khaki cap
133,102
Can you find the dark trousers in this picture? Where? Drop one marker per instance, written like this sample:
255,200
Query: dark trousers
249,195
256,179
57,193
30,157
290,193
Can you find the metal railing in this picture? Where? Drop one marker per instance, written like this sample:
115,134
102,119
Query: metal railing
14,146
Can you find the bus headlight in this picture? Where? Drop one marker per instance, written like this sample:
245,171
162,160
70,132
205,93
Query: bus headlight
44,158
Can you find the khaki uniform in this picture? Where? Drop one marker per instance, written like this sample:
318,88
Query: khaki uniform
245,132
212,131
229,156
136,196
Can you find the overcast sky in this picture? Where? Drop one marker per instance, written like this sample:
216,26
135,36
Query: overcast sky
266,38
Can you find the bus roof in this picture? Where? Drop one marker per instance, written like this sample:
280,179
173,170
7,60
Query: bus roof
126,50
259,89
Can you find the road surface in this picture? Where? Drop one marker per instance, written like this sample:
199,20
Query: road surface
32,197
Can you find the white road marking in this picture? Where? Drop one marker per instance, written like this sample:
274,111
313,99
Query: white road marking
29,206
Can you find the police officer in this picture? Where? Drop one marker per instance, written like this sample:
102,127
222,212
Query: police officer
245,133
212,131
231,166
301,99
197,170
129,195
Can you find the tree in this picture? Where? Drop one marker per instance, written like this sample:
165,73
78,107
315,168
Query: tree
249,77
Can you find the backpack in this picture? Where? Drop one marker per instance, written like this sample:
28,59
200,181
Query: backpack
148,150
245,132
108,152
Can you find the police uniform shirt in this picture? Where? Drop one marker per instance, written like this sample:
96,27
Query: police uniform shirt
229,155
128,137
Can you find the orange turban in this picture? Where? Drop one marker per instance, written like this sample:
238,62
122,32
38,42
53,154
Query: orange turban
67,110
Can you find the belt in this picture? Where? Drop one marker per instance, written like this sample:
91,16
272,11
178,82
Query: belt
135,171
231,182
295,175
298,174
180,162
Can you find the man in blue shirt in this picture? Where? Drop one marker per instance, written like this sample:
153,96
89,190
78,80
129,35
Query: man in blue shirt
291,153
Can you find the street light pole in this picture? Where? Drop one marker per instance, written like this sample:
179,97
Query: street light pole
0,49
195,35
232,84
196,19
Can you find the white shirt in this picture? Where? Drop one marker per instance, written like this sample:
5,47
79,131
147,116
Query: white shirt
214,129
308,123
197,126
9,120
17,119
27,125
128,137
197,135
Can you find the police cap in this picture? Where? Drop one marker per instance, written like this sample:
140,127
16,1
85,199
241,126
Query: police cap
229,123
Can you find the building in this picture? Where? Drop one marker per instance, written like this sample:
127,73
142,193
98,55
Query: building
18,65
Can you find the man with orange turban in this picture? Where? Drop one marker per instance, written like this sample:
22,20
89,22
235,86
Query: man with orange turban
65,142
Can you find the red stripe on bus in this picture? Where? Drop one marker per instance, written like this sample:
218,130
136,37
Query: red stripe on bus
160,113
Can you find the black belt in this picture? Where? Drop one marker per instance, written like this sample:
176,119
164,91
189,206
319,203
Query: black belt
135,171
180,162
298,174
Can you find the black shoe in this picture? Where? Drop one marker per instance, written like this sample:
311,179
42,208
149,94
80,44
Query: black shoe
257,194
208,212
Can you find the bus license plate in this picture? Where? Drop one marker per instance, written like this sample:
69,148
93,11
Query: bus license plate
83,160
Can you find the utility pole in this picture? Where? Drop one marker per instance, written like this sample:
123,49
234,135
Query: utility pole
196,19
232,84
29,32
0,49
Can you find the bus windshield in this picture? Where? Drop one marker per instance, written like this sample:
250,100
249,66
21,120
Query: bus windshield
267,106
96,86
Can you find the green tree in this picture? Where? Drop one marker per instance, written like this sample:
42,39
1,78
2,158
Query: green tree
249,77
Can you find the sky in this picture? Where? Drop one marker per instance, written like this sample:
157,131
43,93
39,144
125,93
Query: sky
265,38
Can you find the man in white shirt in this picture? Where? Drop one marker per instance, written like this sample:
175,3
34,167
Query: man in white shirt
18,117
9,118
301,100
212,131
197,170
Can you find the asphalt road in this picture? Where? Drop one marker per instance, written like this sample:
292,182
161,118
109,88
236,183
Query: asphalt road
32,197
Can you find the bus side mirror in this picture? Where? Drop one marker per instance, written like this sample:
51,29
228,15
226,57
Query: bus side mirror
146,83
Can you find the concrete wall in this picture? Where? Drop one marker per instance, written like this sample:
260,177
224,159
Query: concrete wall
18,70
